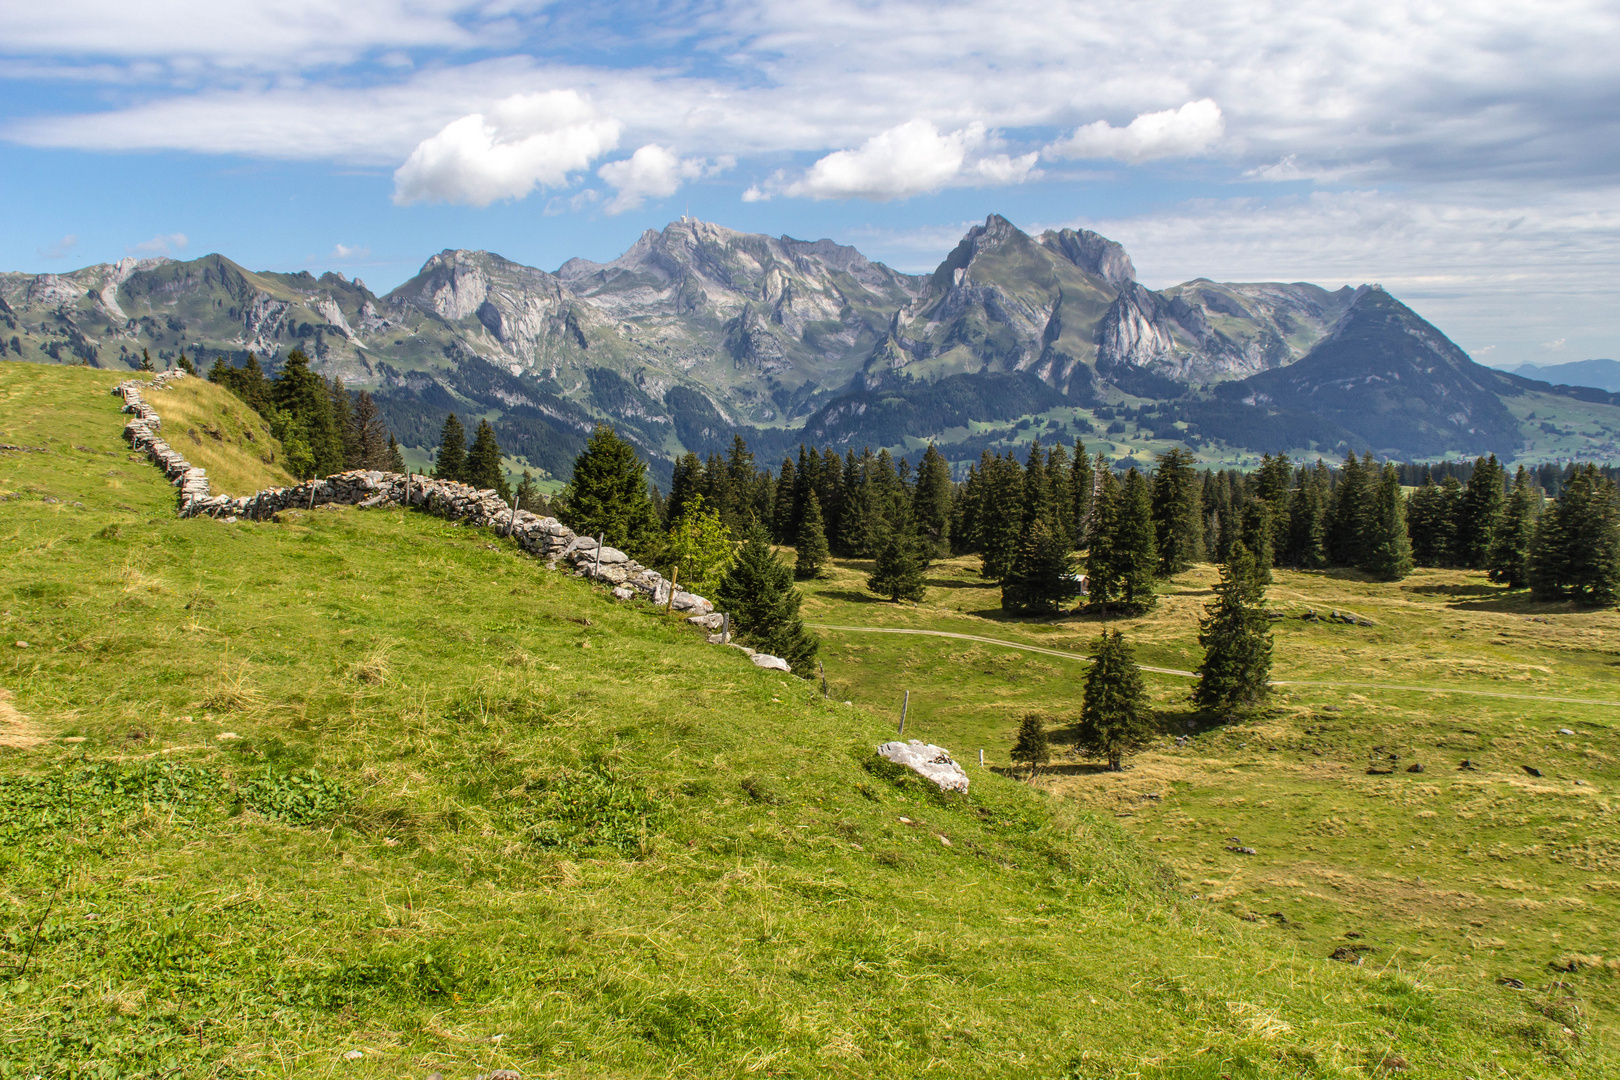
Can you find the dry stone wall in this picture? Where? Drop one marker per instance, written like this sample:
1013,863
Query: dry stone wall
543,537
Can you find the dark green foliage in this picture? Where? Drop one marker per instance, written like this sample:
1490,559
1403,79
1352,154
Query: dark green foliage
1115,718
1575,552
898,573
1235,634
1043,572
1307,520
374,447
1481,512
1431,515
304,401
1510,548
608,495
297,798
1102,561
686,482
1351,500
1000,513
1082,481
396,457
1389,550
483,468
812,542
1178,517
452,461
1135,552
783,524
1032,747
759,595
246,382
931,500
529,497
1256,534
184,364
343,420
146,361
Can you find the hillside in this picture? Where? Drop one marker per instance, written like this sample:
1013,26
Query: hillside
1600,374
698,332
369,793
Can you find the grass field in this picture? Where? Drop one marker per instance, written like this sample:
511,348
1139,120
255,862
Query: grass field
372,783
1459,876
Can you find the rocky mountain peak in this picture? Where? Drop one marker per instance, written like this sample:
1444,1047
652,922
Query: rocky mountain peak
1093,253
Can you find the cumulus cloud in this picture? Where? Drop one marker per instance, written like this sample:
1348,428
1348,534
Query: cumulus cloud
654,172
525,141
61,248
914,158
347,253
1182,132
161,244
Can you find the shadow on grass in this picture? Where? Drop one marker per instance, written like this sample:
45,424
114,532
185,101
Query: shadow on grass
1453,590
853,597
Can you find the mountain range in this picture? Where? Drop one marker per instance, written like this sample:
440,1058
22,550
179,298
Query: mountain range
699,332
1601,374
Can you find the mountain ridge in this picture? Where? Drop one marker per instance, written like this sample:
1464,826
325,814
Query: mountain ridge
698,328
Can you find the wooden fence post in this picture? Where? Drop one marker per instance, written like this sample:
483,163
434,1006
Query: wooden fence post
511,523
904,706
674,576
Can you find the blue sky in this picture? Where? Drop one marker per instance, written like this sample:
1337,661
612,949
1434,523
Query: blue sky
1462,154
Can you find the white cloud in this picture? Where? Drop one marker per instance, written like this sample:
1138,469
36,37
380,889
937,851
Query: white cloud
61,248
346,253
654,172
1182,132
525,141
1553,346
914,158
161,244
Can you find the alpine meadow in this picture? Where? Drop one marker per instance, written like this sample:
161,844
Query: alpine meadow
546,540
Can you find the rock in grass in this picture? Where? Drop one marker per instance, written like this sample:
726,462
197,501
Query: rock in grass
353,1055
1532,770
1510,983
1345,955
1240,849
1416,766
1565,731
928,761
770,663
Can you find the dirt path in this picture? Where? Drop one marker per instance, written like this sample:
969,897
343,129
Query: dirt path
1402,688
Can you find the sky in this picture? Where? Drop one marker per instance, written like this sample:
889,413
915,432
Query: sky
1465,155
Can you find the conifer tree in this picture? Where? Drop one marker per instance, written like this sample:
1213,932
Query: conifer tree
1031,747
813,555
1307,520
684,484
1575,552
303,396
1001,515
1042,576
1236,637
782,530
186,365
1256,532
529,496
898,573
1427,525
1116,719
146,361
1082,482
1481,509
1510,547
452,462
608,495
1347,522
396,456
343,420
483,468
1178,519
965,511
1389,549
758,594
854,526
1135,552
370,437
931,501
1102,561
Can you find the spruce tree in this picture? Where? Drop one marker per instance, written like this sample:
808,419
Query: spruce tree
146,361
1082,482
1042,576
1347,521
1001,516
343,420
1031,746
813,556
898,573
1115,717
452,462
931,500
608,495
396,456
1178,519
1575,552
1102,562
187,366
1236,637
305,397
483,469
1256,533
1135,553
782,530
529,496
370,437
1482,504
1426,524
1389,550
759,596
1307,520
685,484
1510,546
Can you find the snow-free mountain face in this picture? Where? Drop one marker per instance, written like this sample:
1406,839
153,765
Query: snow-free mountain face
699,331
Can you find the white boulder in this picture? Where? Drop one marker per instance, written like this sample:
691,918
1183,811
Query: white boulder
771,663
928,761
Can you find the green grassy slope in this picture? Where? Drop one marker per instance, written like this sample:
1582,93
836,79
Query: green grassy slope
1458,876
270,793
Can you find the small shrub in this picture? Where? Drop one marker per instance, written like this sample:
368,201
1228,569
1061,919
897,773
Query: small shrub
296,798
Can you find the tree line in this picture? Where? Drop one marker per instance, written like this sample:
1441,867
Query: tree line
322,427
